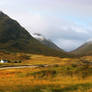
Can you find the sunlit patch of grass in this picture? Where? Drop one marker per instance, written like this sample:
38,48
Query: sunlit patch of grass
48,79
40,59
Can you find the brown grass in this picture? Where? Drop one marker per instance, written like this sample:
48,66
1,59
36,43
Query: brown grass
66,77
15,79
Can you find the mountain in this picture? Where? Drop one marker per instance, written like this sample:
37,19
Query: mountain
45,41
85,49
15,38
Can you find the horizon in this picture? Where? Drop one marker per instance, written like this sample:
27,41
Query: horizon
66,23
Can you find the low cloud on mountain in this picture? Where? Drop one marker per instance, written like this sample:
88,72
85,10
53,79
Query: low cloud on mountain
67,23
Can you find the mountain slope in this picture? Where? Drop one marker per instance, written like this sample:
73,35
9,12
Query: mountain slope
45,41
15,38
85,49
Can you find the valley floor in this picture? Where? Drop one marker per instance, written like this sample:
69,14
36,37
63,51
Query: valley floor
61,75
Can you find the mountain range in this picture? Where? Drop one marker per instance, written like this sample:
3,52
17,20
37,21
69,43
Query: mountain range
15,38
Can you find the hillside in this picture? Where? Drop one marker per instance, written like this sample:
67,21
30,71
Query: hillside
85,49
14,38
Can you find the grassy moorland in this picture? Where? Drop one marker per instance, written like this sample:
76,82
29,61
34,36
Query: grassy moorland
62,75
47,79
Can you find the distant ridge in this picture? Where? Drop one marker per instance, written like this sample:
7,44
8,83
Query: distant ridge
45,41
85,49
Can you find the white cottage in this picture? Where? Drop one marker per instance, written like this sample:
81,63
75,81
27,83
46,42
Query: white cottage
3,61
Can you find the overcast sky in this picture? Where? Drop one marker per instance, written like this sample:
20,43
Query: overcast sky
68,23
